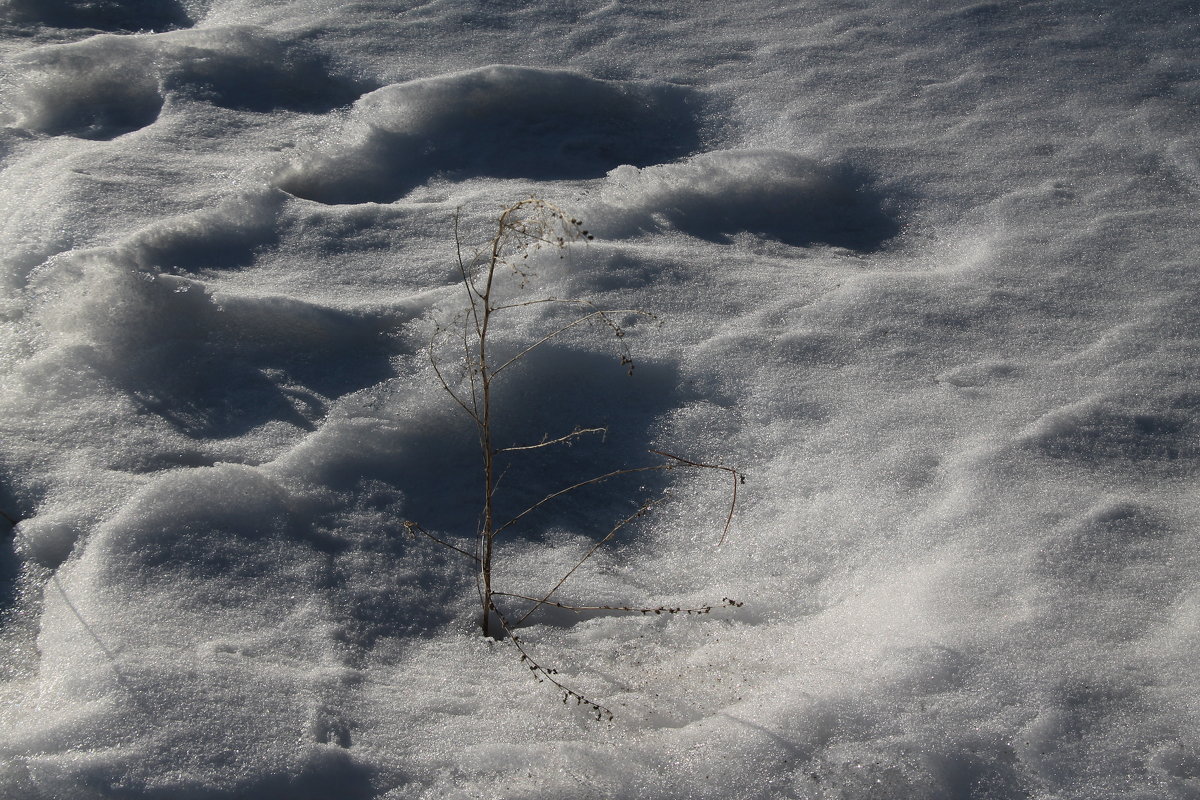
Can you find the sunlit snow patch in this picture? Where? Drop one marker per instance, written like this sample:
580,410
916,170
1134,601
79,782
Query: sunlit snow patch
499,121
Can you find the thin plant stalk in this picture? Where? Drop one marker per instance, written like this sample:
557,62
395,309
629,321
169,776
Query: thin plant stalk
527,226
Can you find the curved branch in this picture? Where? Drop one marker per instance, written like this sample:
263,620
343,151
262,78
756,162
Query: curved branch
601,313
737,478
446,385
411,526
598,479
642,510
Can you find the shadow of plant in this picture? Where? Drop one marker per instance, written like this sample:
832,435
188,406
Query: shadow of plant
552,392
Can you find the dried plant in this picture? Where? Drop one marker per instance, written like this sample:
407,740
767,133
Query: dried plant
489,278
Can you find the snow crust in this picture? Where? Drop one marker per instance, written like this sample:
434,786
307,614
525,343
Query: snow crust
924,272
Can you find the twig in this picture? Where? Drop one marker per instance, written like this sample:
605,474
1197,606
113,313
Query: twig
602,314
598,479
726,603
411,526
737,478
446,385
462,268
575,434
541,673
645,507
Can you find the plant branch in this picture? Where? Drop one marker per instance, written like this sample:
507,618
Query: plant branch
462,268
642,510
737,478
725,603
446,385
598,479
541,673
575,434
411,526
602,314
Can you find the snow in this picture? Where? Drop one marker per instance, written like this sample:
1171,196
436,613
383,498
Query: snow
923,272
499,121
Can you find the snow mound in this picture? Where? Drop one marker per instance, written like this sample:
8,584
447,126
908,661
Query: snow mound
104,15
96,89
768,192
162,338
109,85
196,707
1106,546
1160,433
221,238
150,373
498,121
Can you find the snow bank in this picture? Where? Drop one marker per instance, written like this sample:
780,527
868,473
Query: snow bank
161,337
1160,432
499,121
96,89
221,238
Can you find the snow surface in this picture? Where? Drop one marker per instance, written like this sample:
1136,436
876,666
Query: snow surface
925,271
